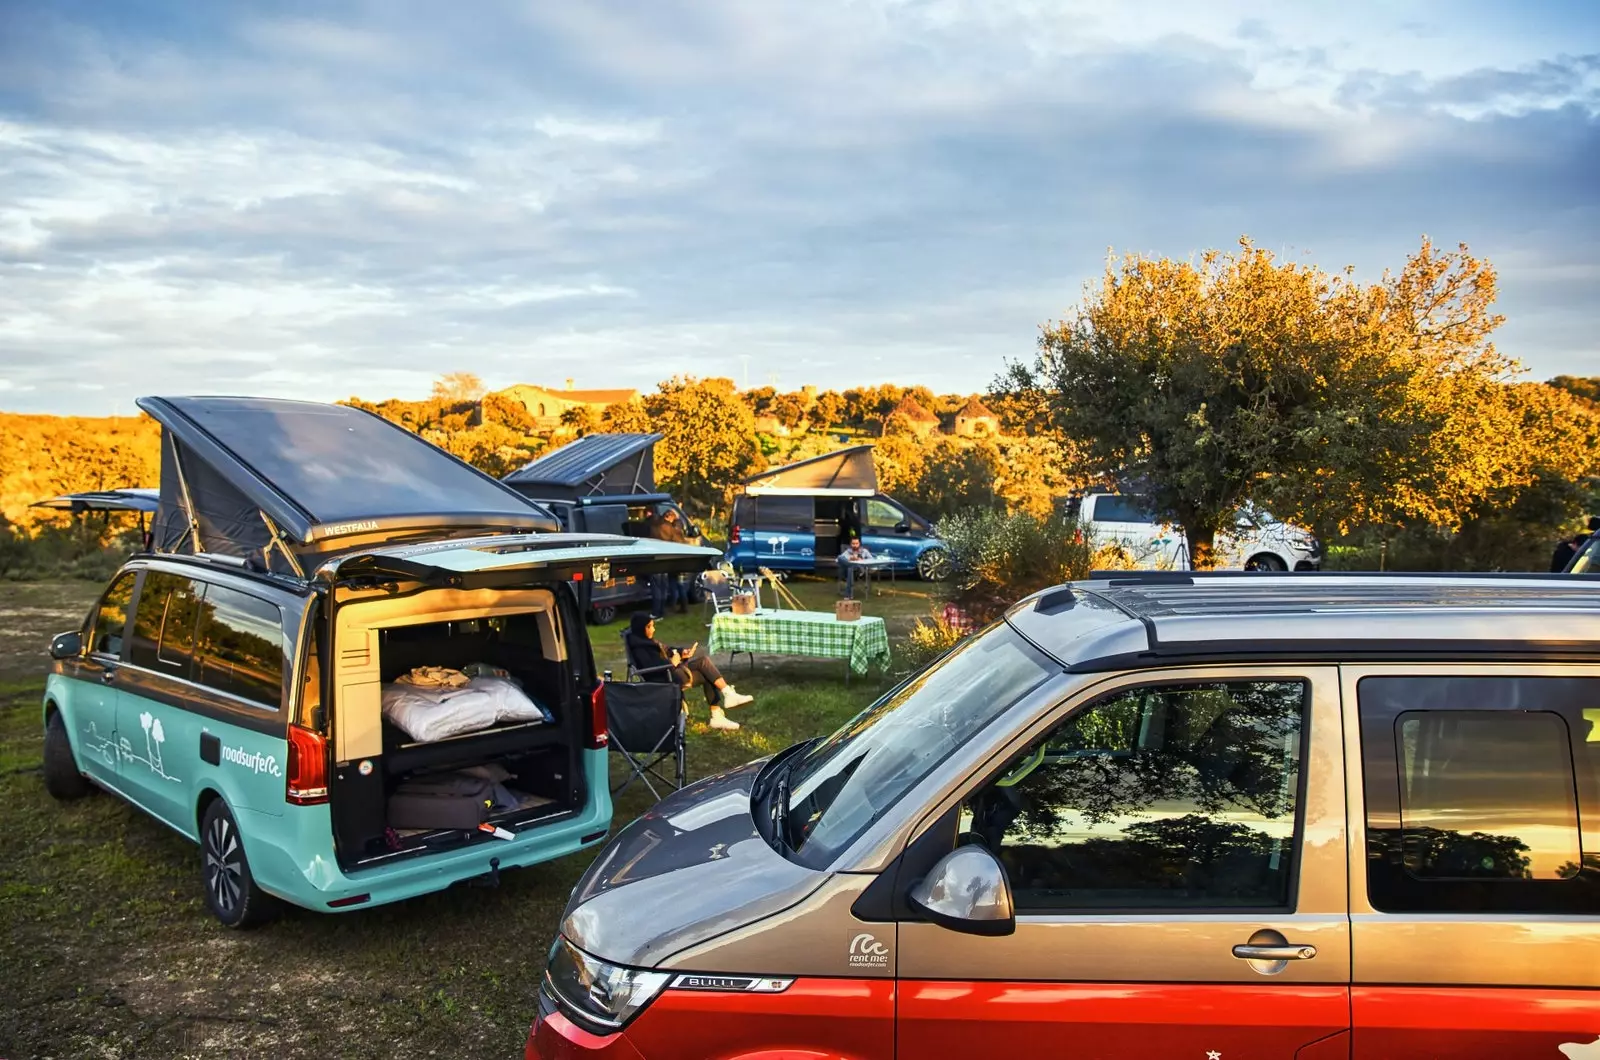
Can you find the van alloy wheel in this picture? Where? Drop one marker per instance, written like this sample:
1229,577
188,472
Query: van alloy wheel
1267,562
224,878
231,891
933,565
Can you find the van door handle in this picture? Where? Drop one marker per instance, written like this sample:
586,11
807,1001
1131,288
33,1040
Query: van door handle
109,674
1288,951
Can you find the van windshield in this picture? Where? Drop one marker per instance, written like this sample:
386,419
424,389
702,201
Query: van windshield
844,783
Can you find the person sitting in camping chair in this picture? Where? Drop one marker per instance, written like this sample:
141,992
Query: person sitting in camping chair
645,653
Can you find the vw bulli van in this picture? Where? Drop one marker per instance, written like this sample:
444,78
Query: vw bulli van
353,669
1149,814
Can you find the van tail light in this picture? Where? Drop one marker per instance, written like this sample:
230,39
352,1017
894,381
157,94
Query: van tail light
308,767
599,736
733,536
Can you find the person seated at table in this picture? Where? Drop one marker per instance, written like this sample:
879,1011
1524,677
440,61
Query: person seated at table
646,653
853,553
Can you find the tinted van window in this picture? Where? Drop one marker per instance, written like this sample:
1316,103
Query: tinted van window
1116,508
164,624
1482,793
111,619
780,512
1166,797
241,646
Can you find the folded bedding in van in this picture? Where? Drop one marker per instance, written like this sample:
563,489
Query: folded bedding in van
429,714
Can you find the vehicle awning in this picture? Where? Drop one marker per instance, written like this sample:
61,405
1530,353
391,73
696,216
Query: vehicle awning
279,481
596,464
845,473
117,500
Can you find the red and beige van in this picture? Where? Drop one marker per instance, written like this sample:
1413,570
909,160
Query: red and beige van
1146,815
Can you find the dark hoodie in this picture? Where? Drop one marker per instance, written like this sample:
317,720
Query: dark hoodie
644,652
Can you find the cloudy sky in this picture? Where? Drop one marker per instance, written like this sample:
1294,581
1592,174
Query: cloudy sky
323,199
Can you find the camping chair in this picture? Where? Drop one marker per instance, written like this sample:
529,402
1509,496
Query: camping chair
647,723
718,589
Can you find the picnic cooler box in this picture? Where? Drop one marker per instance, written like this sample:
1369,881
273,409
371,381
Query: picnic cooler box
847,610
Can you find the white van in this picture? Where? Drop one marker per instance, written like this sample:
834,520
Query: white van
1260,542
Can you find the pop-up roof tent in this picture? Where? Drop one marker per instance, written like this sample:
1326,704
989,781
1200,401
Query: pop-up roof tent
594,465
281,482
129,499
845,473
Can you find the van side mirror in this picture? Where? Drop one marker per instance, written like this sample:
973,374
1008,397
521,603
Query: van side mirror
66,645
967,891
903,528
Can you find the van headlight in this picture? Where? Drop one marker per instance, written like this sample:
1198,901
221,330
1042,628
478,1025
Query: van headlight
598,996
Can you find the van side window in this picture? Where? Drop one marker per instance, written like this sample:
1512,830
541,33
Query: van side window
1119,508
783,512
164,624
881,515
111,619
241,646
1164,797
1481,794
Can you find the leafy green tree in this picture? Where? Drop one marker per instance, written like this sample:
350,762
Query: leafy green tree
828,410
1242,377
708,443
626,417
790,409
580,420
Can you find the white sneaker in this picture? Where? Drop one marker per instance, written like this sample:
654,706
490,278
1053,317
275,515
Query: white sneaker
720,722
731,698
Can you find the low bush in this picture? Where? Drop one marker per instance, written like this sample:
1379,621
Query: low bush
997,558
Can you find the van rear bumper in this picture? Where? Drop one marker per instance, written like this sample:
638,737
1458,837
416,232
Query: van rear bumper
277,847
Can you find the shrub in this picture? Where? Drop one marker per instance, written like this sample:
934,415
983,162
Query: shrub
928,640
997,558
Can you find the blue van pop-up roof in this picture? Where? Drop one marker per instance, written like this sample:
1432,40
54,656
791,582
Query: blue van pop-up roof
843,473
241,475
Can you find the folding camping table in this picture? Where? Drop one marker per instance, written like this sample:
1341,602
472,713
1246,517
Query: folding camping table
862,643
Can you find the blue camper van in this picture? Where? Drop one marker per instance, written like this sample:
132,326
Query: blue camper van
353,669
798,517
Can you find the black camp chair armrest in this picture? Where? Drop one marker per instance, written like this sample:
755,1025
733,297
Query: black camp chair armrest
641,671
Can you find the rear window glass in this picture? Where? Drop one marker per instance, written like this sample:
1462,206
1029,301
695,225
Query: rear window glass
241,646
1487,795
1112,508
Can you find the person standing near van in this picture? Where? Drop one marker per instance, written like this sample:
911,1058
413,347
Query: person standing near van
1566,550
687,667
667,588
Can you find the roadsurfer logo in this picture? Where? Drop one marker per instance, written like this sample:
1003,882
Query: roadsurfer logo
253,760
866,951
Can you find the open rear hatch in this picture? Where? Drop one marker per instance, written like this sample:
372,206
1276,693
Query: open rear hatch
504,610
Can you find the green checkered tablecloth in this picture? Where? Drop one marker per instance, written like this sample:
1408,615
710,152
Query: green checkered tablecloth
864,641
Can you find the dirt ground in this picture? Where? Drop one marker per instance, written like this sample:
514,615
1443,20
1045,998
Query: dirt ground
109,950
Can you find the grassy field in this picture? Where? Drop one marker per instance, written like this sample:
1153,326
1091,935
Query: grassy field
109,951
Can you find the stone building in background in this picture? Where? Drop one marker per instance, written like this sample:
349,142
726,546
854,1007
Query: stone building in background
546,405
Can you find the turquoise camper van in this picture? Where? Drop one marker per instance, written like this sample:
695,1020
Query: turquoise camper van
352,668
